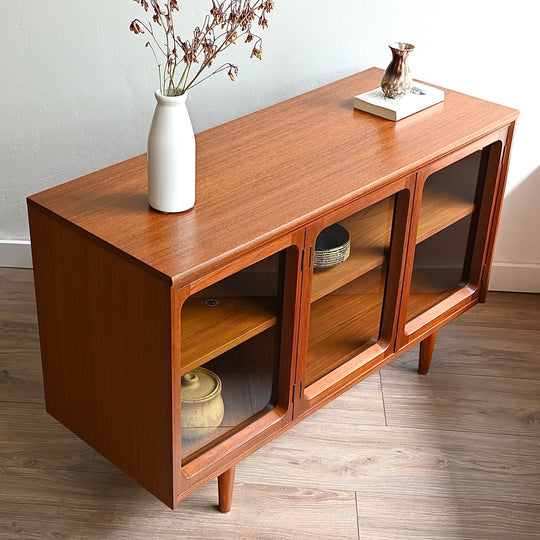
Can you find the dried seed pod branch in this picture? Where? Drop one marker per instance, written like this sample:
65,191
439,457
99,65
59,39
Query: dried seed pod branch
185,61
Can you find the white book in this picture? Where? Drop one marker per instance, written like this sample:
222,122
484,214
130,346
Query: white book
420,97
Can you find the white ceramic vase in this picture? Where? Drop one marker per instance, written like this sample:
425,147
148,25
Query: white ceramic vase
171,156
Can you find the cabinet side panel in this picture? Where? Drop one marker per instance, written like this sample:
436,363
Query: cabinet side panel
105,343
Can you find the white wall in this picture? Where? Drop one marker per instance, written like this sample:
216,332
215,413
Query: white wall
77,89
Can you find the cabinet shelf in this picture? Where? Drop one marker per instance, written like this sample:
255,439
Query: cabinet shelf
246,390
350,317
440,209
208,331
370,232
430,286
421,301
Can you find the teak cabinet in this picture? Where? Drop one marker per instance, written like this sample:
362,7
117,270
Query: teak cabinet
130,300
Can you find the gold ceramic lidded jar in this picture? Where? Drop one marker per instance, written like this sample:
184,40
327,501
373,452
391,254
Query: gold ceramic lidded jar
202,404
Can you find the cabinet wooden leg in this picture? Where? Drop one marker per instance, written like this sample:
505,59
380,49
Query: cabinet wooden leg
225,489
426,351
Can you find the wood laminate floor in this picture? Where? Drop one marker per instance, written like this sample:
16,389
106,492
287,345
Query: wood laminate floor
454,454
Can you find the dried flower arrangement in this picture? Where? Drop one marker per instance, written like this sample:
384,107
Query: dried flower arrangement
227,22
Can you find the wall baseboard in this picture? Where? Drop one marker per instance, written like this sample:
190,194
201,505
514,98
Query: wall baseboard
15,254
510,277
515,277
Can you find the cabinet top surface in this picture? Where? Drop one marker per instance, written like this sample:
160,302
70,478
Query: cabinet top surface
268,172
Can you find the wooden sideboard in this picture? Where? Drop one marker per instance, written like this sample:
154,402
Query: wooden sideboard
129,300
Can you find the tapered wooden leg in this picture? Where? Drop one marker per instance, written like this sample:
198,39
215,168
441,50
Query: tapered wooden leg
426,352
225,489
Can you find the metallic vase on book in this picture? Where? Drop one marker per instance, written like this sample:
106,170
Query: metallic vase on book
397,79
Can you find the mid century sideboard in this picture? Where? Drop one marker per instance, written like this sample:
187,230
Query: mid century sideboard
130,300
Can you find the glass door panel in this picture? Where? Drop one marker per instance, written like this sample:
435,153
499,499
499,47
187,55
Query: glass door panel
447,224
439,267
230,353
347,299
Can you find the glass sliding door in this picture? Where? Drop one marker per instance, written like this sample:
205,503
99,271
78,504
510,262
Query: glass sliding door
452,217
230,353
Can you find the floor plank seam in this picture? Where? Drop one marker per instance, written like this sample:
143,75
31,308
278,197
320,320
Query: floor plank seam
23,402
433,371
486,375
482,500
357,515
78,470
382,398
472,499
475,431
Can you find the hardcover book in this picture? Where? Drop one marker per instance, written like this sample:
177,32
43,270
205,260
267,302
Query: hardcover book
419,98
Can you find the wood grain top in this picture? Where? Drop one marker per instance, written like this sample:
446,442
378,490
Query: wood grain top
263,174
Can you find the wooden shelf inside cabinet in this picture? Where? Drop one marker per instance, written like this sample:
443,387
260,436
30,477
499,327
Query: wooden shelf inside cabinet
422,301
428,288
440,209
208,331
246,393
351,316
370,231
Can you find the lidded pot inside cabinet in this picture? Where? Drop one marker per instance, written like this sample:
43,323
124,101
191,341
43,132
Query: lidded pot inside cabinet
202,404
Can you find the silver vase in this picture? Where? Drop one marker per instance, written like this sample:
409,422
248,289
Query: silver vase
397,79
